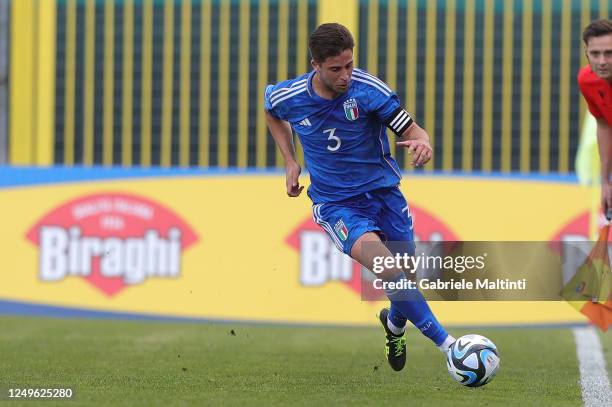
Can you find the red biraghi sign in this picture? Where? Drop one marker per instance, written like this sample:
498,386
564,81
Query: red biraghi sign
112,240
321,262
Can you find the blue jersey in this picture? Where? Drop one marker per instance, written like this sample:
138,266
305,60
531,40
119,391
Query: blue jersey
345,140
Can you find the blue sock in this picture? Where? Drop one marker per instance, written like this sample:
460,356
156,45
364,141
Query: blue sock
395,316
410,304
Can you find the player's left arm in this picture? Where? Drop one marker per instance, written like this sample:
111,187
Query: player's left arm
409,133
604,141
416,140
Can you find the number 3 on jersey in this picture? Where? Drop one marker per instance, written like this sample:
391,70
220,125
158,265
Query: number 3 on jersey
335,140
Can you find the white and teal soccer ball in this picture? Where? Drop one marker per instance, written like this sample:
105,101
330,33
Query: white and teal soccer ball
473,360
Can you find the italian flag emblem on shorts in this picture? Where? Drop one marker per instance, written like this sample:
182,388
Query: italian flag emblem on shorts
341,230
350,109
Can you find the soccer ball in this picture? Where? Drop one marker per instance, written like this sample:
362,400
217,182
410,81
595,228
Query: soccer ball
472,360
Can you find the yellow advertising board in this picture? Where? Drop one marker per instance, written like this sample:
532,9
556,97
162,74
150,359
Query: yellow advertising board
235,247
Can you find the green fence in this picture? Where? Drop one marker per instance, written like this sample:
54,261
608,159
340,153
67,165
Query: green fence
181,82
173,82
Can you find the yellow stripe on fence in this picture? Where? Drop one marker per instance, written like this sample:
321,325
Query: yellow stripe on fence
585,19
468,86
204,121
564,86
526,84
545,88
302,27
487,88
45,80
223,98
262,79
90,47
430,77
185,95
344,12
391,74
373,37
243,84
128,64
21,89
109,77
281,61
449,87
411,74
507,122
69,82
167,99
147,74
603,9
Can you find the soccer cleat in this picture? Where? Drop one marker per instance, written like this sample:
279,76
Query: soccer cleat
395,347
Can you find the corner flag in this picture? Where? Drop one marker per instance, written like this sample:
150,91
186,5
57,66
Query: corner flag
590,290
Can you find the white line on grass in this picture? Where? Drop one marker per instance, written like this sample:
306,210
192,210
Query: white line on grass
593,375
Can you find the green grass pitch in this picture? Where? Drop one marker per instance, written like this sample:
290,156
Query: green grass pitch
153,363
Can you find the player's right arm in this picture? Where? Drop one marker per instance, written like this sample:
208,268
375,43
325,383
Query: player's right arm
604,141
283,136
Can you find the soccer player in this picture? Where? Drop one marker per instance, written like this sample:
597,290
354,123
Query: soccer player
340,114
595,81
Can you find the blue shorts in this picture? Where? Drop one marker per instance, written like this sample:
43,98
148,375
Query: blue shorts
384,211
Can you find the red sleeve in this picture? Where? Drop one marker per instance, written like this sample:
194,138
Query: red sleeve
593,108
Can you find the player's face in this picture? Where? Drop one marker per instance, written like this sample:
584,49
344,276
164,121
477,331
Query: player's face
599,53
335,72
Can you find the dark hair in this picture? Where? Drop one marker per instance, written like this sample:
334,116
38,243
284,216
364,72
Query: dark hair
597,29
329,40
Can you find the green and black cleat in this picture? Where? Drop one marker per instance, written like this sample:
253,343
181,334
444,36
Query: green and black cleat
395,347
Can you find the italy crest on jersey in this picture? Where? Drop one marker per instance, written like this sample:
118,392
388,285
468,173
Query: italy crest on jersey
350,109
341,230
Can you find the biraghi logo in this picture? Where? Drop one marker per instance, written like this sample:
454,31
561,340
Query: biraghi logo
112,240
320,262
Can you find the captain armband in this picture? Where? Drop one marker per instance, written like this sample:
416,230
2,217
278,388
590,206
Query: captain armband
399,121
